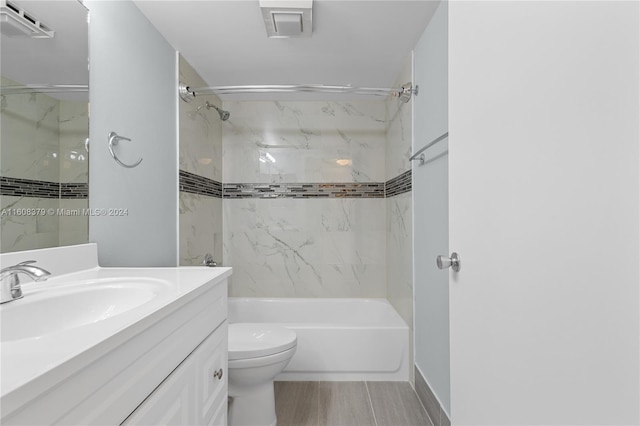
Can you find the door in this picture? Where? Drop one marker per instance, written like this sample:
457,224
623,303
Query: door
543,209
430,210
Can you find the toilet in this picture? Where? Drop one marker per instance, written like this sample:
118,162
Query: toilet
258,352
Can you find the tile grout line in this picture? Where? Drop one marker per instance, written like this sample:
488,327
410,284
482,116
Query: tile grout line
318,404
375,420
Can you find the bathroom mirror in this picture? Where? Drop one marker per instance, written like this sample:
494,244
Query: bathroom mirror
44,129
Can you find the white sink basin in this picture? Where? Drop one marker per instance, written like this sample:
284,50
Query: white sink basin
59,307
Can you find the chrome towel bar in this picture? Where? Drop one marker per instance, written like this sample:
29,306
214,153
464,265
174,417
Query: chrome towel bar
420,156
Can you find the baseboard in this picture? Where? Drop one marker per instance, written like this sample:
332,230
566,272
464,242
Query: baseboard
434,409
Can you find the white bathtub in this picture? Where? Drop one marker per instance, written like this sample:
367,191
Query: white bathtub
338,339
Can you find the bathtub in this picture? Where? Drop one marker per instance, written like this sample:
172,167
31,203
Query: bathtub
338,339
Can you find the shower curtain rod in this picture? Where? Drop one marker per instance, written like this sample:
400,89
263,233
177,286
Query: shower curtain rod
404,93
43,88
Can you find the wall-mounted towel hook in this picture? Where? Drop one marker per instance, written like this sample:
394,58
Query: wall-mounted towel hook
114,138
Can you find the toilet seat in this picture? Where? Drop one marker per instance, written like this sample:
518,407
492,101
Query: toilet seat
255,340
261,361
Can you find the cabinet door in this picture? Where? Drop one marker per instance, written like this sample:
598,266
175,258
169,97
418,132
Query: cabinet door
195,393
172,402
212,378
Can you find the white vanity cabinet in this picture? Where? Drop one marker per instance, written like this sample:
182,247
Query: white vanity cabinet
195,393
165,365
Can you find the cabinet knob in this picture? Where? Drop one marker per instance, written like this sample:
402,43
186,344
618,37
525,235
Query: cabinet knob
218,374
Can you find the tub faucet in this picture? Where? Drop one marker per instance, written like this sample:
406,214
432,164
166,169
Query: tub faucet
10,281
208,260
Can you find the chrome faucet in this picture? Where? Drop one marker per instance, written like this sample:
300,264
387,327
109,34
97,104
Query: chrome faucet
10,281
208,260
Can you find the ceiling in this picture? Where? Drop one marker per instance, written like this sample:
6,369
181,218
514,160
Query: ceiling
363,43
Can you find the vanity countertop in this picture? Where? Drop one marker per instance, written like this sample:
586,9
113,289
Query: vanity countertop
37,363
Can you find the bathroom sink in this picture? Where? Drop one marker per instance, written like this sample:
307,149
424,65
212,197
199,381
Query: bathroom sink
62,307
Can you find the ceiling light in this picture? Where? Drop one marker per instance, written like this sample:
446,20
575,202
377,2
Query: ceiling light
16,22
343,162
287,18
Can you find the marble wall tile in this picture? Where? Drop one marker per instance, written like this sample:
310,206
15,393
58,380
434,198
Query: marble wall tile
303,141
200,129
74,168
399,214
21,232
200,228
200,153
306,248
43,139
319,247
73,229
399,255
399,127
74,130
30,135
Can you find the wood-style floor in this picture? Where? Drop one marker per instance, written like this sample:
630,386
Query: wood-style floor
348,404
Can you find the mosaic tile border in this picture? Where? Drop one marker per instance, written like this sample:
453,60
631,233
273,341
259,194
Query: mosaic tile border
17,187
74,190
398,185
196,184
304,190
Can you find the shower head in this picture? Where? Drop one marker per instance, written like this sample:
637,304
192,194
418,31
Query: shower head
224,115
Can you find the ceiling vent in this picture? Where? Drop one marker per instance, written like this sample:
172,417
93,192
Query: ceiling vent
16,22
287,18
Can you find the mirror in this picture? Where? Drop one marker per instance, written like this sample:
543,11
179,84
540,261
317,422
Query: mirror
44,111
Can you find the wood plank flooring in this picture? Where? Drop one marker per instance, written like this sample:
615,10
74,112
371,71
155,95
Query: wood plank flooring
348,404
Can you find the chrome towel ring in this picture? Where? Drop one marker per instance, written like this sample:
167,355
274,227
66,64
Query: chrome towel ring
114,138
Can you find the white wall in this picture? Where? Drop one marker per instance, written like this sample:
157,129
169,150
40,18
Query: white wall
134,93
544,192
430,204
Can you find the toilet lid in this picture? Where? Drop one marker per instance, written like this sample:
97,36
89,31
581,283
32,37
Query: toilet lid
253,340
